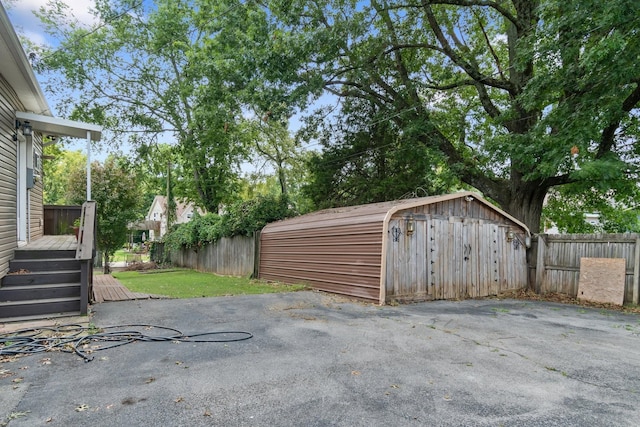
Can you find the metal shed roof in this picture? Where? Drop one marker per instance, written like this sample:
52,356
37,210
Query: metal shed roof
372,212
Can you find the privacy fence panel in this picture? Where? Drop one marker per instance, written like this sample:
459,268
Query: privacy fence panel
59,219
554,260
230,256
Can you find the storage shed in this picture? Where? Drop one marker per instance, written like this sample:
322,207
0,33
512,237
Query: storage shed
441,247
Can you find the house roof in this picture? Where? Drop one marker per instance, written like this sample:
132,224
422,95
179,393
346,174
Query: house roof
17,70
181,207
157,201
371,213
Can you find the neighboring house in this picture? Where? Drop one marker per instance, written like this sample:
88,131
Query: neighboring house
25,119
158,212
590,218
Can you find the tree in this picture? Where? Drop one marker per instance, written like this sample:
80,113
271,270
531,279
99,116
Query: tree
618,211
501,92
504,90
366,159
138,74
114,188
56,168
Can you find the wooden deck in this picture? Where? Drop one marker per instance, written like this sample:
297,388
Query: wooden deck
52,243
108,288
105,287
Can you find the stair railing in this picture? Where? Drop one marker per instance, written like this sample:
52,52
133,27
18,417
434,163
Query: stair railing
86,252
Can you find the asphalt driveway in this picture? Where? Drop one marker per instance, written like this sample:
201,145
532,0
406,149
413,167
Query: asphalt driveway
318,360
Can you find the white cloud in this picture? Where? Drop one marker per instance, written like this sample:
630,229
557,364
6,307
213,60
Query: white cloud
80,9
36,37
26,23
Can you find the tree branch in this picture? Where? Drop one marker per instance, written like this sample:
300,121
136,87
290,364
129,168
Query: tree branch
471,70
485,3
608,134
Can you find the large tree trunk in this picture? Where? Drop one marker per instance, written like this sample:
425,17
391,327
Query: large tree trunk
525,204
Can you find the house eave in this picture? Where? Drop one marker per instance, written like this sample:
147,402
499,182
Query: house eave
55,126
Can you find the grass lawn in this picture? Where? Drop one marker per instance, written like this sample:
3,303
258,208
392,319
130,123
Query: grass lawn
192,284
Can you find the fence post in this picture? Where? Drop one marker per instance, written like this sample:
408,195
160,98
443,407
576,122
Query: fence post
256,255
636,273
540,267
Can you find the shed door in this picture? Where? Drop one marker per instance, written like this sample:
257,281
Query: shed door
453,259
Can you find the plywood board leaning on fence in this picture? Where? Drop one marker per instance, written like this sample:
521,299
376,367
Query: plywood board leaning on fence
602,280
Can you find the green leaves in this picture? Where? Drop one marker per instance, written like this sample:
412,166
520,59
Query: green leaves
493,95
115,190
241,218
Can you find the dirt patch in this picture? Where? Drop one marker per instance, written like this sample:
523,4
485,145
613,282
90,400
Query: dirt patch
566,299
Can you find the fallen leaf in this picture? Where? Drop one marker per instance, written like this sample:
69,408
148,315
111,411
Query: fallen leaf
149,380
207,413
179,399
82,407
17,380
48,420
46,361
355,372
395,386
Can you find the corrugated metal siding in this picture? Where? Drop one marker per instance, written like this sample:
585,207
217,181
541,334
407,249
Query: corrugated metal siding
8,170
458,250
343,259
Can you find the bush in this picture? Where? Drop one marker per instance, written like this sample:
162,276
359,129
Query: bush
241,219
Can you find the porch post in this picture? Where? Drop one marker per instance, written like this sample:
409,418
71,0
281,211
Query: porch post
88,165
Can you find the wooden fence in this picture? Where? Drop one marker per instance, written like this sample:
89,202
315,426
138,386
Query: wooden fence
59,219
554,261
231,256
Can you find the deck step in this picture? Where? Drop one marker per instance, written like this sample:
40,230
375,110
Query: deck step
39,307
46,264
40,291
41,278
39,317
23,254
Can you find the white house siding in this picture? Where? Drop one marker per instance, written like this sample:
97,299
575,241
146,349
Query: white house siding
8,169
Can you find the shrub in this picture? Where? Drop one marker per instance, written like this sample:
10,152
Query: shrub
241,219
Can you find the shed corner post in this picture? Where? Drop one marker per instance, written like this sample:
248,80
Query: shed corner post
540,267
256,254
636,273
